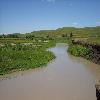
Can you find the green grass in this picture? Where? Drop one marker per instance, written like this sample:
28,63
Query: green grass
20,57
14,40
78,50
94,40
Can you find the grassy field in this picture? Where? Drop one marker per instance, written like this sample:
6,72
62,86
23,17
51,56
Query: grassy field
16,56
94,40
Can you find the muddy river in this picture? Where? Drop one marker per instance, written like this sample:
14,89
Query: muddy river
65,78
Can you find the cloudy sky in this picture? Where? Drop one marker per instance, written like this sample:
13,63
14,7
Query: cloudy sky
29,15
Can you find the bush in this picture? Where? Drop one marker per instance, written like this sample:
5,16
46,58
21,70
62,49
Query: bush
78,50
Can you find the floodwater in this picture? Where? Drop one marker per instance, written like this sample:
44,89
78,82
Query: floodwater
65,78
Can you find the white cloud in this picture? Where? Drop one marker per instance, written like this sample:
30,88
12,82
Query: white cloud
75,23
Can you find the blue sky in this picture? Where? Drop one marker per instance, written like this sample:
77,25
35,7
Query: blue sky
29,15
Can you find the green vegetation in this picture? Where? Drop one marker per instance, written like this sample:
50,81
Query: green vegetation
79,50
94,40
24,56
87,52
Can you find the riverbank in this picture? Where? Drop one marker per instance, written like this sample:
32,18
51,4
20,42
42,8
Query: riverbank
21,56
24,54
86,50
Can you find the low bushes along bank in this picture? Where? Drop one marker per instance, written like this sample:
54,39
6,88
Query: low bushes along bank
81,51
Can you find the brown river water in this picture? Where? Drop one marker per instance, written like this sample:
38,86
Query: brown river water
65,78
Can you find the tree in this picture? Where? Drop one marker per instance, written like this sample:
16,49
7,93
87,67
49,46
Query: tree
71,35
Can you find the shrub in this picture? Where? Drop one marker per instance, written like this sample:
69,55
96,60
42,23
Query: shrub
79,50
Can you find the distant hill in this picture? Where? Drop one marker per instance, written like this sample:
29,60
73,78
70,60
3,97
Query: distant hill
89,33
77,32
